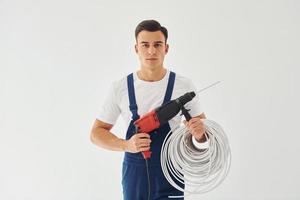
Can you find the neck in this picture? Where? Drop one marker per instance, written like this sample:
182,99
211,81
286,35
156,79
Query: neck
151,75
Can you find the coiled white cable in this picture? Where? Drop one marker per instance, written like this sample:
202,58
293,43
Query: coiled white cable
200,170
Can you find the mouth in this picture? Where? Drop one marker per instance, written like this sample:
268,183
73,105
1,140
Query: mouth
151,59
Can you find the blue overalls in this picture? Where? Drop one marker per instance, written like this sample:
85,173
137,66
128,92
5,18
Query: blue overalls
134,173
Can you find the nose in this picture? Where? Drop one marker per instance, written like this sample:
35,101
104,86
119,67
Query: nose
151,50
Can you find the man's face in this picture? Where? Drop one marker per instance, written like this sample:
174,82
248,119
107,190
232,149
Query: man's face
151,49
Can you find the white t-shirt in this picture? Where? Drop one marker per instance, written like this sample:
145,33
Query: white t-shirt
149,95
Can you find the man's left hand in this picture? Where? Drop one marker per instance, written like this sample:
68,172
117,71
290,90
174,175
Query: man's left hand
196,128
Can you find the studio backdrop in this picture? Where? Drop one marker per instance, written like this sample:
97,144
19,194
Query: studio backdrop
59,58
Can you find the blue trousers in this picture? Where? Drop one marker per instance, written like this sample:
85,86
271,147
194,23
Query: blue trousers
135,183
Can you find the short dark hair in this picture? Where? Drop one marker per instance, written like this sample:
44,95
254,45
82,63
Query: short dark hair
152,26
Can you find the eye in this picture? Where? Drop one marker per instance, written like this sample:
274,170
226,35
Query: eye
157,45
145,45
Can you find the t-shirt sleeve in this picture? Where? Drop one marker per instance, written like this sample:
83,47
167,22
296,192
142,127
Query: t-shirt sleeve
110,110
194,106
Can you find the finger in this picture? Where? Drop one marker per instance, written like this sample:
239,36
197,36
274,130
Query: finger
144,149
199,130
196,125
195,120
145,141
143,135
144,144
190,122
198,122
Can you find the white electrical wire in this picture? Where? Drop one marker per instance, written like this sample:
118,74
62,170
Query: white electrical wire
200,170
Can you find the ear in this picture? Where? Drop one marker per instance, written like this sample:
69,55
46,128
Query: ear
167,48
136,48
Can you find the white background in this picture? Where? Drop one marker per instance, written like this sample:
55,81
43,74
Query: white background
58,58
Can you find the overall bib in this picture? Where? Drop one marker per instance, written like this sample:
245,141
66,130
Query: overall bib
134,172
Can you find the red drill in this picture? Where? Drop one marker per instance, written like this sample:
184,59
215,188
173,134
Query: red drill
162,114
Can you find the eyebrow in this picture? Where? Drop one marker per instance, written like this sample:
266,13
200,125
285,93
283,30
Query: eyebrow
156,42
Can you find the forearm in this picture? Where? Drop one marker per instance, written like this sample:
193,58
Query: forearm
107,140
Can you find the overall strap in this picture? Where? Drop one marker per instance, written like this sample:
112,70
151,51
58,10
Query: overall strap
170,87
131,94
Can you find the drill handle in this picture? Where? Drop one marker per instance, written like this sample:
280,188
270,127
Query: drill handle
186,113
136,129
146,154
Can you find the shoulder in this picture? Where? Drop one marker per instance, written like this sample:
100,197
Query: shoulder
182,85
119,87
119,84
183,81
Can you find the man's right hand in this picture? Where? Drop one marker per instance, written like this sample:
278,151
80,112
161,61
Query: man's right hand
138,142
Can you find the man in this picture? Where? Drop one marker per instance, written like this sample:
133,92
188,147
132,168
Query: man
134,95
